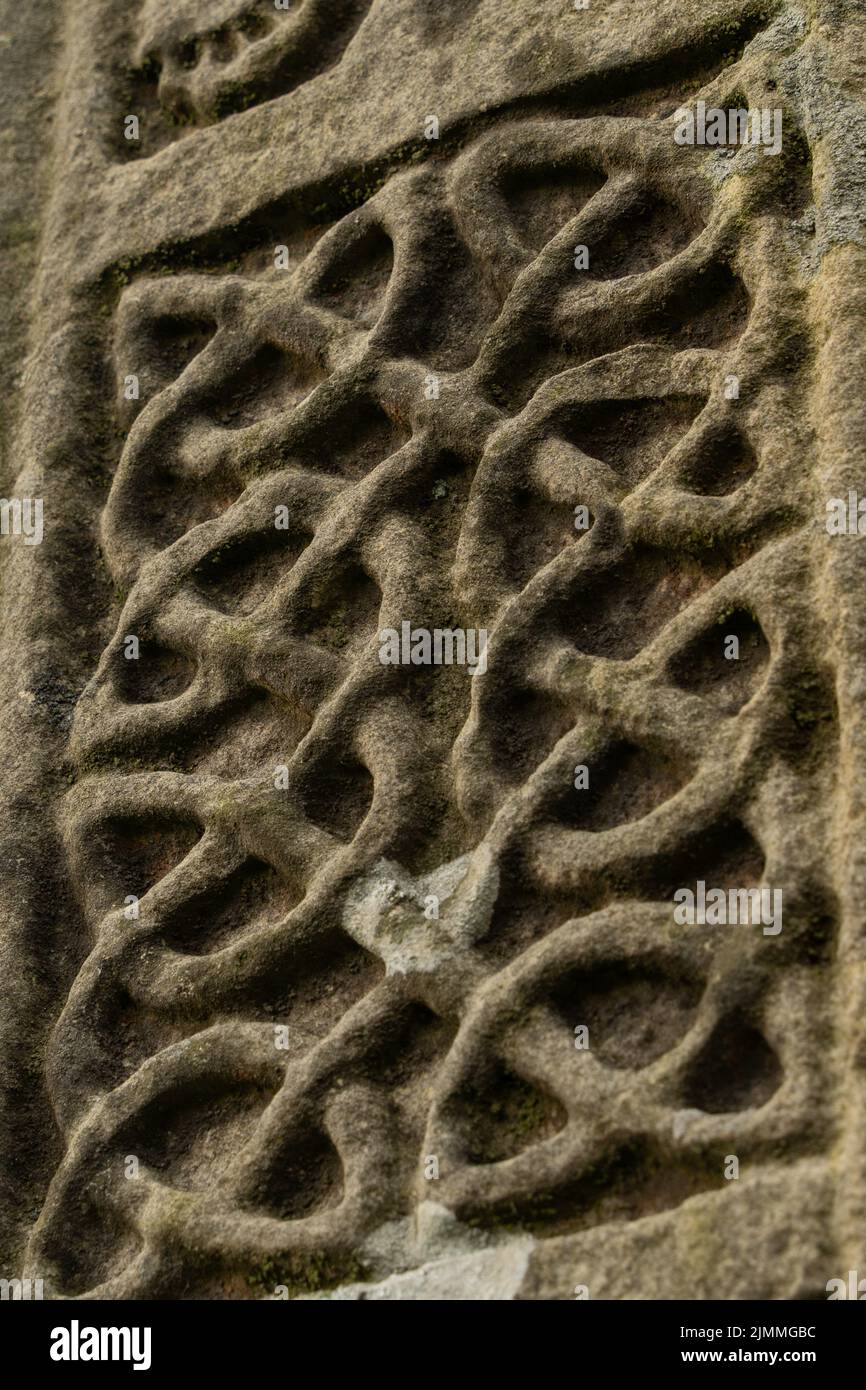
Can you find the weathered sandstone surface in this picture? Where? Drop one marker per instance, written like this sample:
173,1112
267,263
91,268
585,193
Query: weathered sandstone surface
327,976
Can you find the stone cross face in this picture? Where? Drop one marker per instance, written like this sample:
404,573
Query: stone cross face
490,317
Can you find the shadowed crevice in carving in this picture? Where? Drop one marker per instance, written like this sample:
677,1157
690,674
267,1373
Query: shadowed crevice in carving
626,783
254,896
191,1135
336,793
524,725
635,1012
724,855
710,311
272,381
338,612
702,307
537,530
726,662
633,1179
354,286
112,1244
305,1176
500,1114
323,976
542,201
173,340
241,574
524,914
132,853
353,441
155,675
631,436
615,612
412,1043
722,460
649,231
735,1070
174,502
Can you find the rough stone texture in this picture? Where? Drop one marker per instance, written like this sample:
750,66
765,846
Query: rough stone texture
305,1169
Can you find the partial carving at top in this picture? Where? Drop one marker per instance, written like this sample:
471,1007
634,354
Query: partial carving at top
194,65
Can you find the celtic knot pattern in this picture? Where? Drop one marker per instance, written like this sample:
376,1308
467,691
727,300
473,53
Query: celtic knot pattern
426,397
